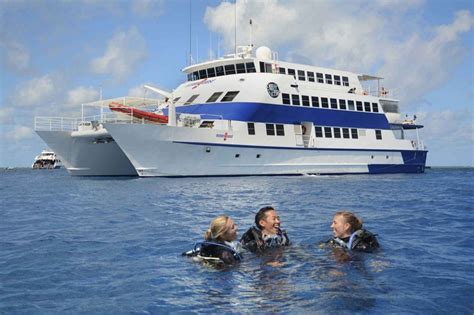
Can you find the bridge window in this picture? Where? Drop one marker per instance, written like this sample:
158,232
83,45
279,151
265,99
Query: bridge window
240,68
211,72
282,71
305,100
315,101
250,67
202,74
310,76
229,96
191,99
295,98
214,97
375,107
359,106
367,106
229,69
219,71
286,98
251,128
319,131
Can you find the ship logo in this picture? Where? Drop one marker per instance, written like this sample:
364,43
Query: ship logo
273,90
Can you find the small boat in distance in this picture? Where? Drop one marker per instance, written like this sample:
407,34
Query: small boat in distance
46,160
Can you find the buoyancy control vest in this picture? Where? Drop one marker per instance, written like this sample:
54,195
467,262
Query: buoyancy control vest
359,240
214,252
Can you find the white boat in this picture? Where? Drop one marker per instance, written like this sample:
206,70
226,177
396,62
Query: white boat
257,115
46,160
84,145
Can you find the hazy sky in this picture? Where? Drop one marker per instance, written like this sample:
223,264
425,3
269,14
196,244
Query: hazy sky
56,55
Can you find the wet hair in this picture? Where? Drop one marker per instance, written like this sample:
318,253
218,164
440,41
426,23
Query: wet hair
217,228
354,222
261,214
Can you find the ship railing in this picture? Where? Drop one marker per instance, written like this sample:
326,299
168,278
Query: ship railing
43,123
418,145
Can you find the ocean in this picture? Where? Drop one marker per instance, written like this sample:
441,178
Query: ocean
113,245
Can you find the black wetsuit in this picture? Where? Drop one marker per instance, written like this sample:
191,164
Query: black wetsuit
214,249
362,240
254,241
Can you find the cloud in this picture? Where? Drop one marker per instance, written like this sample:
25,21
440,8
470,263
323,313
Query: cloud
19,133
36,91
82,95
147,7
5,115
15,55
125,51
364,37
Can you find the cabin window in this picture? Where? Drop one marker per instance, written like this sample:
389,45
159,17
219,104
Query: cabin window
190,76
375,107
268,68
295,99
219,71
319,77
280,130
354,134
301,75
328,78
282,70
251,128
390,108
229,69
195,75
324,102
270,129
211,72
262,66
176,99
350,105
345,81
310,76
250,67
333,103
319,131
286,98
240,68
207,124
337,132
378,134
229,96
359,106
214,97
337,80
202,74
191,99
305,100
315,101
367,106
345,133
327,132
292,72
342,104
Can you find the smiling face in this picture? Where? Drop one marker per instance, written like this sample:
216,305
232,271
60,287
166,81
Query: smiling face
270,223
230,233
340,228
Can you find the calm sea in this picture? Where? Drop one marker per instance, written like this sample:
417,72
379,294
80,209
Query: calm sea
113,245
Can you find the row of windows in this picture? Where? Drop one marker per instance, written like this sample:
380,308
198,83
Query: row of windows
228,97
346,133
272,129
248,67
324,102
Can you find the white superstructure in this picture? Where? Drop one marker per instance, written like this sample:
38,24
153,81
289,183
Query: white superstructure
46,160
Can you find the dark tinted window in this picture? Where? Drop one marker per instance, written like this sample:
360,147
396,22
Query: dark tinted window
310,76
229,96
202,74
350,105
219,71
345,133
286,98
337,132
211,72
214,97
315,101
342,104
305,100
240,68
367,106
327,132
345,81
319,77
295,98
378,134
251,128
354,134
270,129
229,69
324,102
291,72
319,131
250,67
359,106
333,103
282,71
195,75
375,107
337,80
301,75
328,78
280,130
191,99
176,99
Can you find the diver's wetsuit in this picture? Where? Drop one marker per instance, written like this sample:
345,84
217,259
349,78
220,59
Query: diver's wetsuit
360,240
254,241
213,249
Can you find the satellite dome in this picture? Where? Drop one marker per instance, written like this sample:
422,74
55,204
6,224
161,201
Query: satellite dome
263,53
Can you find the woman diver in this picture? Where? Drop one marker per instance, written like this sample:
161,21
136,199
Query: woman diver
219,245
349,234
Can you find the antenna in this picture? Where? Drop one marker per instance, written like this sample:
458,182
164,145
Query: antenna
235,27
251,43
190,32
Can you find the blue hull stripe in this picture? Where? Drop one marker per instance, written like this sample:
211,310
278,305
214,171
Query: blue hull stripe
287,114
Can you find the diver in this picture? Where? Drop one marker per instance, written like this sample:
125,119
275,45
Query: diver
349,234
219,245
266,233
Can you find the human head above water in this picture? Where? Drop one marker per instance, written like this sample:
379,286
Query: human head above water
222,229
345,223
267,220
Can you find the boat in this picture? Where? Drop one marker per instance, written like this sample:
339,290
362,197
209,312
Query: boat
46,160
252,114
85,146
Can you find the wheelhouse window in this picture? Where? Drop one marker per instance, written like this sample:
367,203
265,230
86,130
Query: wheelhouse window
342,104
359,106
195,75
378,134
314,101
327,132
282,70
319,77
202,74
286,98
270,129
295,99
350,105
319,131
305,100
375,107
345,81
229,96
251,128
211,72
367,106
229,69
345,133
324,102
337,80
292,72
280,130
333,103
337,132
240,68
301,75
310,76
214,97
250,66
191,99
328,78
219,71
354,134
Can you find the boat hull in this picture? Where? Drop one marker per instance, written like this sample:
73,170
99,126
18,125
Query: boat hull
161,150
86,156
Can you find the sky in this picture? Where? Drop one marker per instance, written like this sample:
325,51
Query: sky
56,55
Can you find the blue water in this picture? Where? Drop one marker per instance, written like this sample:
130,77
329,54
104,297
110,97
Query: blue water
108,245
